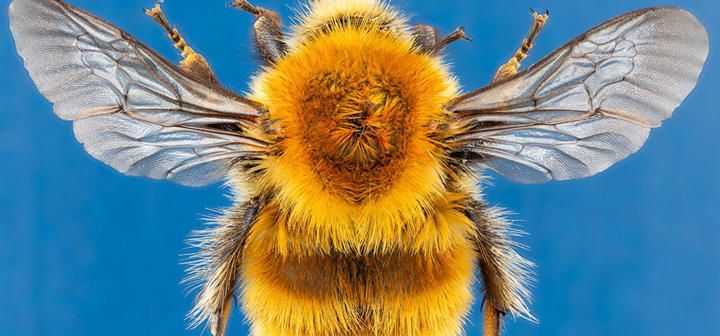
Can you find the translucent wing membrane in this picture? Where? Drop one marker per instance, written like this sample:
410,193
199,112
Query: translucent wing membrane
131,108
590,103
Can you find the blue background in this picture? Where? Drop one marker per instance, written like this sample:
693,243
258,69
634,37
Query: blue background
633,251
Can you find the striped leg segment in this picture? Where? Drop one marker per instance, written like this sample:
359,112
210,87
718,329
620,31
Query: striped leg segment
510,68
193,62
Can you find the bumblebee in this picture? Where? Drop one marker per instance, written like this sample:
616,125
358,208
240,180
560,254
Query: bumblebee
355,159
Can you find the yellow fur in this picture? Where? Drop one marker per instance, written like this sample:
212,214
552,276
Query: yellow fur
314,197
361,234
286,292
319,13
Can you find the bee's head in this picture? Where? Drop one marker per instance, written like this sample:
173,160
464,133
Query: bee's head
319,16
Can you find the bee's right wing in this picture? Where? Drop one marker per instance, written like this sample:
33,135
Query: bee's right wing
589,104
131,108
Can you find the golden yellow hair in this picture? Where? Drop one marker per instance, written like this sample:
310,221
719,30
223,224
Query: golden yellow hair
362,233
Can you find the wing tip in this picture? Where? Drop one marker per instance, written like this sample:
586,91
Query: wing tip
690,20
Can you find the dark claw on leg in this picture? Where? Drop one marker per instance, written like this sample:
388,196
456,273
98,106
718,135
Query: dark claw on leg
157,15
458,34
246,6
501,310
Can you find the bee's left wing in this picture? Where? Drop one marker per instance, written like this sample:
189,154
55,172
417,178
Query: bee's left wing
131,108
587,105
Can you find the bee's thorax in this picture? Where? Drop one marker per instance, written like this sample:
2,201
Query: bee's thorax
355,114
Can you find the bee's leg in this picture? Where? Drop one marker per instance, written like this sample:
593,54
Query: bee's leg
218,264
505,274
269,36
427,39
193,62
510,68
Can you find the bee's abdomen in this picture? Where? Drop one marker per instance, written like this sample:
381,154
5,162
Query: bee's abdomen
314,280
384,294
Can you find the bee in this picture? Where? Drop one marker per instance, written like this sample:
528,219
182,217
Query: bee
355,159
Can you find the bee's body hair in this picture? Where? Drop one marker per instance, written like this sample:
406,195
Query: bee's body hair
427,38
378,240
269,37
216,268
354,160
316,15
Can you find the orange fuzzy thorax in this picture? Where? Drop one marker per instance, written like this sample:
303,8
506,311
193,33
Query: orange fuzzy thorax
361,234
355,113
